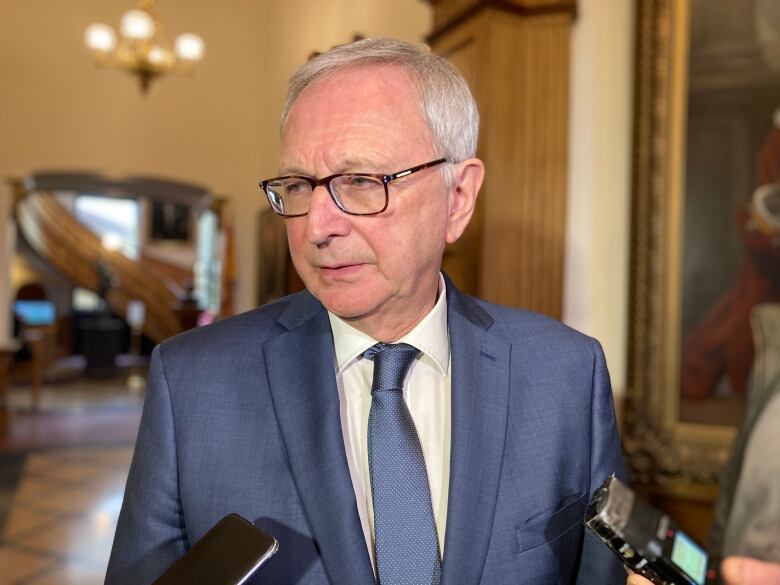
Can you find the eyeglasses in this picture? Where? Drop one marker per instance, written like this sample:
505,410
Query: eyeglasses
353,193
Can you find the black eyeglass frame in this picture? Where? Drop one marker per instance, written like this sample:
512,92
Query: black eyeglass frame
326,182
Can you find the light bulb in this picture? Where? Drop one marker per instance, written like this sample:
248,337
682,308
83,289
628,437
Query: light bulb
137,25
100,37
189,47
158,55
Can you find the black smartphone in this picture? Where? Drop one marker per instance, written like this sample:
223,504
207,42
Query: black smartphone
647,540
228,554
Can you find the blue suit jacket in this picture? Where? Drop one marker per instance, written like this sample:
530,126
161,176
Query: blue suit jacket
243,416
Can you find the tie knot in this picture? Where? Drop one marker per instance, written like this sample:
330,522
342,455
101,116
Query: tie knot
391,363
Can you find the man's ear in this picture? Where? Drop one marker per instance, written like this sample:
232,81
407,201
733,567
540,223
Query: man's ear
463,196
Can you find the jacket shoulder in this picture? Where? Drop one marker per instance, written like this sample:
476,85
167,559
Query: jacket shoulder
252,327
536,329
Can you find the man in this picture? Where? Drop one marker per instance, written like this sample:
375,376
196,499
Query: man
290,414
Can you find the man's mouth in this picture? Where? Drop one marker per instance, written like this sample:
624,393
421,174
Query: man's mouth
341,269
340,266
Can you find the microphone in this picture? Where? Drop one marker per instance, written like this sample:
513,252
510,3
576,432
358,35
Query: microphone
228,554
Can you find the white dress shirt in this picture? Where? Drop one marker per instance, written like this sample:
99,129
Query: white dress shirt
427,396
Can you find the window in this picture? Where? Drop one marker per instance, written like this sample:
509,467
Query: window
112,217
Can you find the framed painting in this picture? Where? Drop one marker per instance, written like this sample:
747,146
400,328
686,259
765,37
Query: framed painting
705,227
169,221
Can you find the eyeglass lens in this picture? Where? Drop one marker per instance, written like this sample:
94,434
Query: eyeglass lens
352,193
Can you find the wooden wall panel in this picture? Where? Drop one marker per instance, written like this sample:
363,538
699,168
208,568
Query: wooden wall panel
518,67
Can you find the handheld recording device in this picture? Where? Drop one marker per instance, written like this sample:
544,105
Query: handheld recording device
228,554
646,540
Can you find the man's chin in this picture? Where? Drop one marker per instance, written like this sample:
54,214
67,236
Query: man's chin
349,311
349,305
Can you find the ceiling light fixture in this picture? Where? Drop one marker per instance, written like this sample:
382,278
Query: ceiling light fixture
142,47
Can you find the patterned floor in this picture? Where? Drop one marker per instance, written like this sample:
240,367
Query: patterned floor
62,475
62,516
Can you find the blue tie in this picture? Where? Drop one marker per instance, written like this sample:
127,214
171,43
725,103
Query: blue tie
407,548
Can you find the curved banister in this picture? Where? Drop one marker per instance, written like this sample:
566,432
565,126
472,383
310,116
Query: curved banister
74,251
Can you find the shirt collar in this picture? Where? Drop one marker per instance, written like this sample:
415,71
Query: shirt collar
429,336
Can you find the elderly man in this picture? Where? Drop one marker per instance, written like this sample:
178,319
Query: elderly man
382,425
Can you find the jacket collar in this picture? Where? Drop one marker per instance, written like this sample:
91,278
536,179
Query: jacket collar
300,368
480,398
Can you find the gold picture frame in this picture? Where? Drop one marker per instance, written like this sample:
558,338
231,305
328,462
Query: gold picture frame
662,449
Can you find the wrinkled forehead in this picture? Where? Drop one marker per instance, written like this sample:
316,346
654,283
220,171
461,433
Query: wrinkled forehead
358,90
364,107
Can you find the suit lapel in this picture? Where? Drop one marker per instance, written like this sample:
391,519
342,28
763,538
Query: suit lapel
300,368
480,394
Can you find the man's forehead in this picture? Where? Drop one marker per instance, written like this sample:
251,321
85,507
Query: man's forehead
366,74
356,91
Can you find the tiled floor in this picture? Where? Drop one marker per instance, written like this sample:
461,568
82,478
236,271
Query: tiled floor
82,412
62,475
62,516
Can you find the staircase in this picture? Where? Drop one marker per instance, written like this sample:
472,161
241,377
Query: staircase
75,252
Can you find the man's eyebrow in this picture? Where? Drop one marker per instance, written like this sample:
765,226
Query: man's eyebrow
350,164
283,171
358,164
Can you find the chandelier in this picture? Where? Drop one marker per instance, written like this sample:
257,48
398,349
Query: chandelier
143,48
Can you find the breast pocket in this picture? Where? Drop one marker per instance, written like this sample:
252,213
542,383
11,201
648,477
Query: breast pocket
538,531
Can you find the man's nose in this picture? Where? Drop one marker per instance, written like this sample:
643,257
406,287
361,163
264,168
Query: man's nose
325,220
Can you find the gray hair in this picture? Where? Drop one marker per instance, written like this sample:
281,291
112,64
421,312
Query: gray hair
443,96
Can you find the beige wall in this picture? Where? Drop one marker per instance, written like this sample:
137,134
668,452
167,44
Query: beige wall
596,263
217,128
